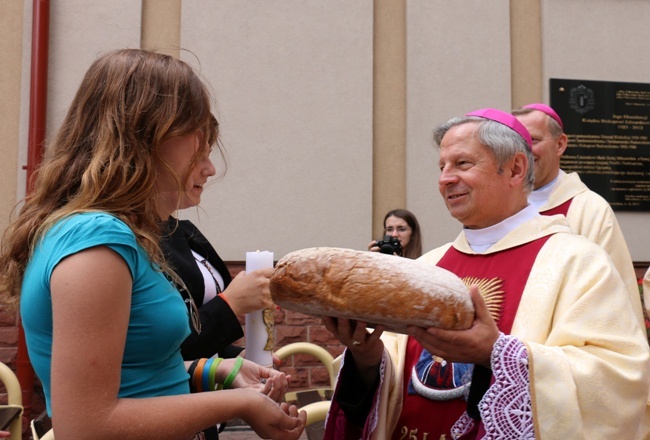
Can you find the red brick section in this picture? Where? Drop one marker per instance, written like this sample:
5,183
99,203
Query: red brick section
306,371
8,343
8,336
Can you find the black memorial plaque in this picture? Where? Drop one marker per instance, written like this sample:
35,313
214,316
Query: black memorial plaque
608,126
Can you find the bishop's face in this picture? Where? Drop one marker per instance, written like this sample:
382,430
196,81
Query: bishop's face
470,182
547,149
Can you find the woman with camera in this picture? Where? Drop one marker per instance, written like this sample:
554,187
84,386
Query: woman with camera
401,235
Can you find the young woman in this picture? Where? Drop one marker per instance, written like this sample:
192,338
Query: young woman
402,224
102,318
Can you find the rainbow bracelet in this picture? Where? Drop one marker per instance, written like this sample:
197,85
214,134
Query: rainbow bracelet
233,373
212,374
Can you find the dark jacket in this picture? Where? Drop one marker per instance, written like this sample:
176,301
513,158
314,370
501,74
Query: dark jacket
219,325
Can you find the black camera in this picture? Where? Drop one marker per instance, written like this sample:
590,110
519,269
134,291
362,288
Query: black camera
389,245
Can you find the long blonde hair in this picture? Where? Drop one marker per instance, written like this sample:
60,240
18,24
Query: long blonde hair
103,156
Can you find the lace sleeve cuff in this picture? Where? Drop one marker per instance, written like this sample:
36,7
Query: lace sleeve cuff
506,408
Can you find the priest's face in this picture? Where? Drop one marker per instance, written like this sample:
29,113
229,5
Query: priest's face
471,184
547,149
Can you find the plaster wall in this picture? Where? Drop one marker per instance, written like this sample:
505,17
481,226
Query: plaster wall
293,88
294,91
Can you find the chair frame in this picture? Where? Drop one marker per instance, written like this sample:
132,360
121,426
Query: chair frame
316,410
14,398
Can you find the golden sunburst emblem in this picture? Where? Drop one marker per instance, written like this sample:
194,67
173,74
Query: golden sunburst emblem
491,291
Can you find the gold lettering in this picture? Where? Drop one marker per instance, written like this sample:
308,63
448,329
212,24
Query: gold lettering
412,434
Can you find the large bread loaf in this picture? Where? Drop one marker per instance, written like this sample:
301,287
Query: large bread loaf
371,287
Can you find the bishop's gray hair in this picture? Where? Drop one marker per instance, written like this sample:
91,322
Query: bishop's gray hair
498,138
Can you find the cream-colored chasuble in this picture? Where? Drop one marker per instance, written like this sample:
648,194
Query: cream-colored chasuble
588,356
591,216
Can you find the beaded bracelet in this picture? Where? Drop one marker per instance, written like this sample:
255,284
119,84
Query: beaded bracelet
233,373
212,373
198,372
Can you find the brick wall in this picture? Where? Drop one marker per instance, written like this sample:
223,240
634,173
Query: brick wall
8,336
306,371
8,343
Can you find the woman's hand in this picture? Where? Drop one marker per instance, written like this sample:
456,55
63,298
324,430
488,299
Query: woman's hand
272,421
249,292
276,360
267,381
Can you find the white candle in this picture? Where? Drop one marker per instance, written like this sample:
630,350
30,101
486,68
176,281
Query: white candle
257,331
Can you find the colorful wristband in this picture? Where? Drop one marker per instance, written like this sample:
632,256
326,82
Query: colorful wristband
212,374
223,297
205,377
198,373
190,371
233,373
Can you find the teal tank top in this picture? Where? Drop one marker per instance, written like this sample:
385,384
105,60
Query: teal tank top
152,364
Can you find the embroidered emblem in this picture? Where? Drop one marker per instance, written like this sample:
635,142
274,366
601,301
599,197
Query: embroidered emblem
492,293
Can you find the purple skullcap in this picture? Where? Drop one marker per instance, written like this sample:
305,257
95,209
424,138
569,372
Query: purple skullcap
548,110
506,119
